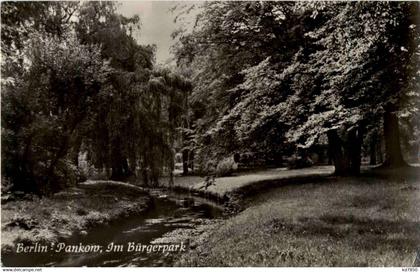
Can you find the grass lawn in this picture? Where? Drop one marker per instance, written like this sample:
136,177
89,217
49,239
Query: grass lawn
363,221
73,210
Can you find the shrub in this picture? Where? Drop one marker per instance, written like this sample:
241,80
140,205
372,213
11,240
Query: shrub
67,175
226,167
44,111
95,218
23,222
92,173
297,162
6,185
81,211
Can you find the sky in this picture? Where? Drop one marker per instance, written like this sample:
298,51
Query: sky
157,24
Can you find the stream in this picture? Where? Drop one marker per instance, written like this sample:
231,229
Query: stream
168,213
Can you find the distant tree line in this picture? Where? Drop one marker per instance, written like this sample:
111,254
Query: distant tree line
75,80
277,78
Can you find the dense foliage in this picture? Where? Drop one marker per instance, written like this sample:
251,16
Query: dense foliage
279,76
256,83
68,87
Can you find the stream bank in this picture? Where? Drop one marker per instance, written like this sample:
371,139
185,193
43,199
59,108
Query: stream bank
104,210
76,210
232,192
148,220
369,220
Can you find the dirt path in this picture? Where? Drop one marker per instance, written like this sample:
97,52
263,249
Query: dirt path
225,185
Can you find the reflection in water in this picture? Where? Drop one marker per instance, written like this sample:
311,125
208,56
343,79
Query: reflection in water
167,214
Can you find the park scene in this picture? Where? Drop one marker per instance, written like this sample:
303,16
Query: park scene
210,134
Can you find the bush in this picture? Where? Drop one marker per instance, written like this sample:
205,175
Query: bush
44,111
67,175
6,185
81,211
226,167
298,162
23,222
92,173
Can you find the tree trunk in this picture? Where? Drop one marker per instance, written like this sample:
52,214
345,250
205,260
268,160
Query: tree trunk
354,149
381,148
346,156
117,170
118,166
145,177
119,163
171,169
341,164
191,159
75,151
373,148
126,168
185,161
329,154
171,179
393,154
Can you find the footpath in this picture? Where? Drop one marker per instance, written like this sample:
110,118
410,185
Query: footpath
246,182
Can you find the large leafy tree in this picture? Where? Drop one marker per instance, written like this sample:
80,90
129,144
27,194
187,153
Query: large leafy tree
229,39
334,68
69,87
366,68
20,19
43,108
49,82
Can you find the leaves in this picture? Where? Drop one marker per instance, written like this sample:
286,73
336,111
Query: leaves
293,71
75,89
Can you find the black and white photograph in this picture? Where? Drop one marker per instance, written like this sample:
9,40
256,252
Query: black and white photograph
210,134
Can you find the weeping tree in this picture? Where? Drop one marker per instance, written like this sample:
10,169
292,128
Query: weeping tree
136,129
135,121
69,87
175,89
99,23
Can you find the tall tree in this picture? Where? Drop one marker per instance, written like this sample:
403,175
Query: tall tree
70,87
42,110
368,68
231,37
334,74
136,120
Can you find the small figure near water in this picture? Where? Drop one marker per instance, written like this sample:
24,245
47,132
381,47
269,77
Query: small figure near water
209,181
210,178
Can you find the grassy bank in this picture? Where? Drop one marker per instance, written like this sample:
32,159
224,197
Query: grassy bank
364,221
74,210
